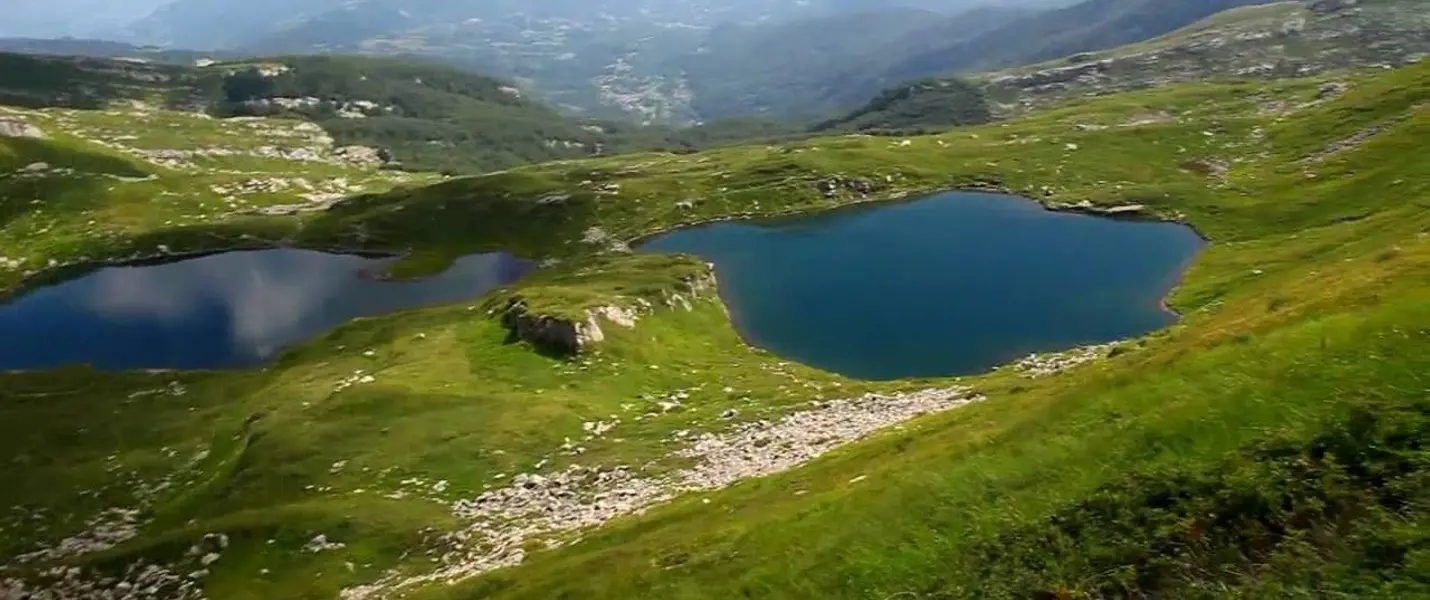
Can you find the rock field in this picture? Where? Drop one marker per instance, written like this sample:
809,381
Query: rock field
548,508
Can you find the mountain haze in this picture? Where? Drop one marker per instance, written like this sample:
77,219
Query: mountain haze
661,61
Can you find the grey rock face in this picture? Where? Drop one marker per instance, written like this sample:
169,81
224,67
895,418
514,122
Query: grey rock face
551,334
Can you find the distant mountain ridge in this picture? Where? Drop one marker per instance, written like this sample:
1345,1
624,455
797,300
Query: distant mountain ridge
193,23
1283,39
415,115
650,60
682,62
1087,26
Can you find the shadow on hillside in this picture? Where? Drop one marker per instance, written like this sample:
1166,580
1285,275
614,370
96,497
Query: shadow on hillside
508,212
63,179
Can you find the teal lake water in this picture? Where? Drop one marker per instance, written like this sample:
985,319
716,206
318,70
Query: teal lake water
952,284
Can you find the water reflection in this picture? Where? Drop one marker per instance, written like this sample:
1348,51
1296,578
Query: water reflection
226,310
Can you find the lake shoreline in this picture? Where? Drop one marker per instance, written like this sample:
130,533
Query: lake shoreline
1090,315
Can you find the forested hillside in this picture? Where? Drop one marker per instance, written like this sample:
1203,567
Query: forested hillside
932,104
416,115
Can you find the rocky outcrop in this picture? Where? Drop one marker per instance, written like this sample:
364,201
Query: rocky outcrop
557,335
566,336
362,155
1125,210
561,335
832,186
19,128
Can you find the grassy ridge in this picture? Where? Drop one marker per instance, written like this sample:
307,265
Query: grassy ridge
1308,308
976,503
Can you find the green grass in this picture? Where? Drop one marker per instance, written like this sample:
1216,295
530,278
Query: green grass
1306,328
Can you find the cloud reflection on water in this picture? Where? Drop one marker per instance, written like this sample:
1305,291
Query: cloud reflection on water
254,303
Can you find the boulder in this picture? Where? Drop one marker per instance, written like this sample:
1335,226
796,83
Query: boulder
18,128
550,334
360,155
1333,89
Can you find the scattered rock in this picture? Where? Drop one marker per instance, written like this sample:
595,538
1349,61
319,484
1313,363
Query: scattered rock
16,127
501,523
1331,90
1044,365
1354,141
320,543
362,155
831,187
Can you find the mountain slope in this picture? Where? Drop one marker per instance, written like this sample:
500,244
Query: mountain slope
1269,444
427,116
1270,41
672,62
1090,25
79,18
202,23
933,104
1284,39
417,115
424,116
786,69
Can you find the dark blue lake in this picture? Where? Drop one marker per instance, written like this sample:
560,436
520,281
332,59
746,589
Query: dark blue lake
236,309
953,284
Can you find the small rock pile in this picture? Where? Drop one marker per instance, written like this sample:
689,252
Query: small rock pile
180,580
359,377
830,188
19,128
761,448
103,531
1044,365
503,523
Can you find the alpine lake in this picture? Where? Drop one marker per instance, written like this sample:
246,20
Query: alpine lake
951,284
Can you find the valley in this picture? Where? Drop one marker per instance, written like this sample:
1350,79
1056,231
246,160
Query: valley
598,407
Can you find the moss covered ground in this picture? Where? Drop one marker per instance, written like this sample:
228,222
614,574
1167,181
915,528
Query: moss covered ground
1271,444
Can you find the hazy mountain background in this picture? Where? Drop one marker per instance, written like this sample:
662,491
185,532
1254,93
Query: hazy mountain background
75,18
650,61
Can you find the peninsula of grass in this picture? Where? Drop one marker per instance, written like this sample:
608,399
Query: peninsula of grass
1272,444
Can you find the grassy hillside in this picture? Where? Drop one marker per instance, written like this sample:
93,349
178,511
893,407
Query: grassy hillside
933,104
92,83
428,116
1270,444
